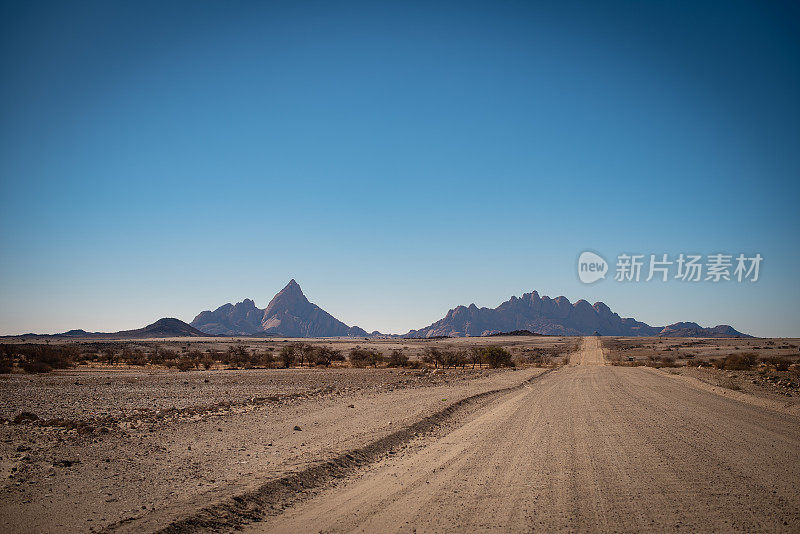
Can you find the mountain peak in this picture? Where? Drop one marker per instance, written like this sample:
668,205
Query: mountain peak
292,285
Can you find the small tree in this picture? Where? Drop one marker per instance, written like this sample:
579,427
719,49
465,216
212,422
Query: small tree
287,355
476,356
323,356
376,357
497,357
398,359
434,356
306,353
109,354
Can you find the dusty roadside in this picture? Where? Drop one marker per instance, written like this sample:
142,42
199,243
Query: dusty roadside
168,461
743,386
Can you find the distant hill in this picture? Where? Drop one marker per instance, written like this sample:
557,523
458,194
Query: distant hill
166,327
288,314
558,316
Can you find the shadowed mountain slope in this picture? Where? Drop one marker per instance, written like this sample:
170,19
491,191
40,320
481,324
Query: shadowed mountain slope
558,316
288,314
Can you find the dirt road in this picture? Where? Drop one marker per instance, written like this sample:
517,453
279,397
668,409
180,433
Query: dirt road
589,447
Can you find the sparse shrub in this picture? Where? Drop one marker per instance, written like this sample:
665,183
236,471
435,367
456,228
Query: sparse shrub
740,362
109,355
476,356
398,359
363,357
133,357
497,357
185,364
432,355
305,353
324,356
35,358
207,362
287,355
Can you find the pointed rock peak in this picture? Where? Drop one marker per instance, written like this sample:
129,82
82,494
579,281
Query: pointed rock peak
288,296
292,288
292,285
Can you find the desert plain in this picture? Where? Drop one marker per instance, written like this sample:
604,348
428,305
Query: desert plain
582,434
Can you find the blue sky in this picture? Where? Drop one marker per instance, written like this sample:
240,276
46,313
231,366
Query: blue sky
397,159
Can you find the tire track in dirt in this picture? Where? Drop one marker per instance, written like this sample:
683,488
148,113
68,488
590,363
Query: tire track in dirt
274,496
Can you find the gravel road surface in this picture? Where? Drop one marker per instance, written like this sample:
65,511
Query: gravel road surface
588,447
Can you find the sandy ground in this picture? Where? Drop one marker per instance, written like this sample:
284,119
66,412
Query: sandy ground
167,444
585,448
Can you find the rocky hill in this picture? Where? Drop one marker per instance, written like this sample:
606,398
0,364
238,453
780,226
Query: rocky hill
558,316
288,314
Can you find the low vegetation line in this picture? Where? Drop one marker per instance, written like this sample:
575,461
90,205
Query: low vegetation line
270,498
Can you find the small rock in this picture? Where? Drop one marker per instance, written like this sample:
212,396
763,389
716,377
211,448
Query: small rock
297,429
352,406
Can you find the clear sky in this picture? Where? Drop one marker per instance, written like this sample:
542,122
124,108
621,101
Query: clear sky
396,159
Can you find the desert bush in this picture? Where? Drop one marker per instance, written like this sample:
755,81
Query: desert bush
455,358
666,361
305,353
497,357
475,356
108,355
287,355
324,356
185,364
740,362
236,356
397,359
432,355
359,357
207,362
363,357
262,359
34,358
133,357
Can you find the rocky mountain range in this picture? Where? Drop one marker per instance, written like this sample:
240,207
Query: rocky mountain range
288,314
558,316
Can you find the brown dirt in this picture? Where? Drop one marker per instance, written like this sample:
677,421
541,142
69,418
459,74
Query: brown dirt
156,469
587,448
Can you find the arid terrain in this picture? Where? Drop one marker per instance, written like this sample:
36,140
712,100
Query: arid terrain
585,434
